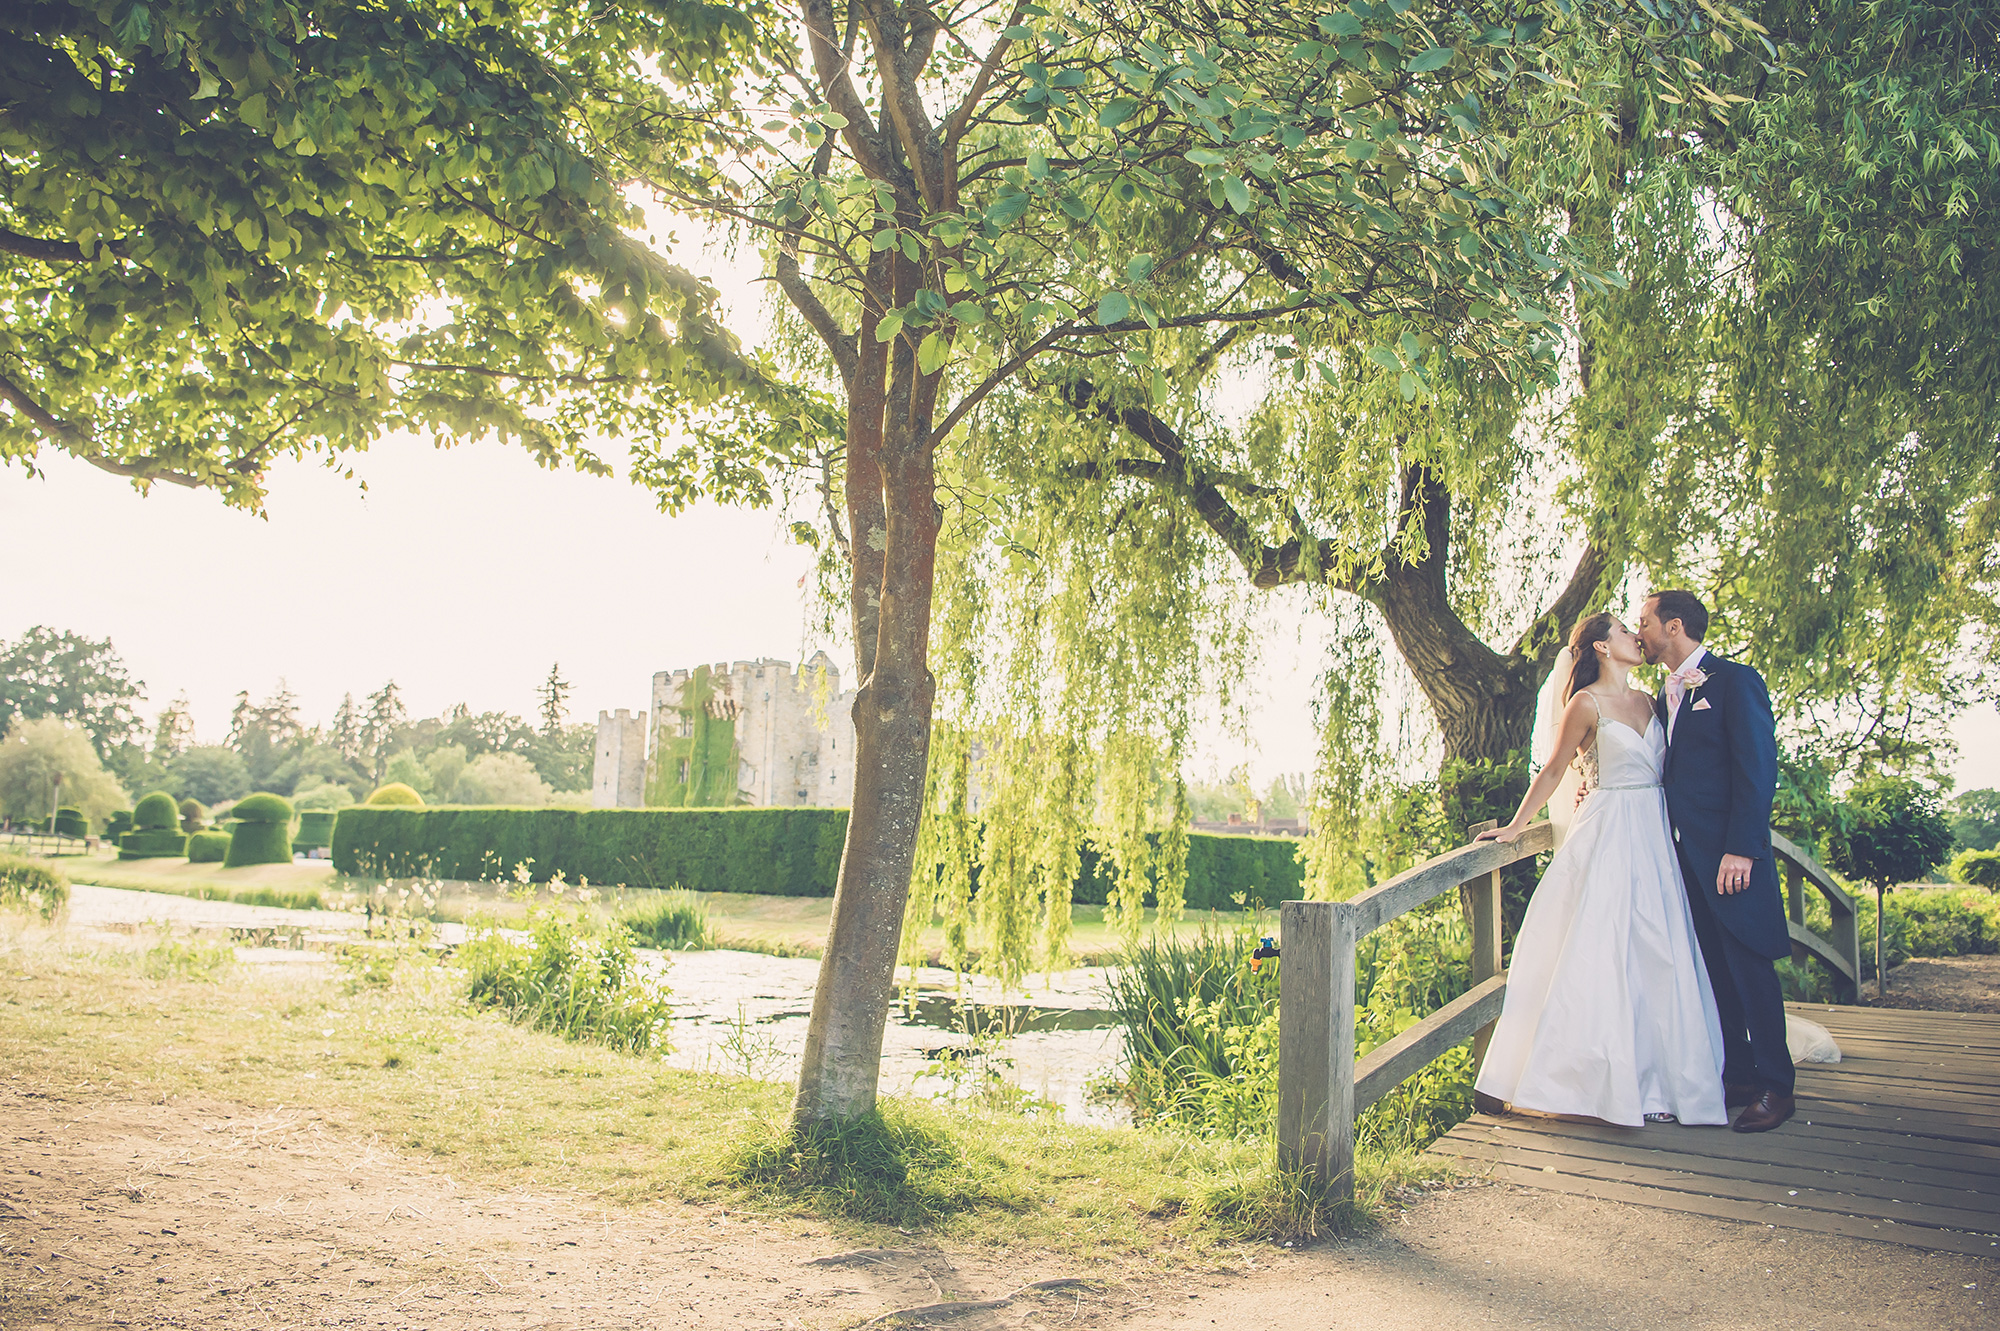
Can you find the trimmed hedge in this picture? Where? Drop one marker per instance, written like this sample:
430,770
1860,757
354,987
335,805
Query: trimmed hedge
70,822
194,816
153,844
396,794
208,847
259,843
315,829
772,852
262,808
157,812
117,825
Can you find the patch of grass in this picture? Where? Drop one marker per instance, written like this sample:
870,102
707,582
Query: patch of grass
33,886
902,1165
186,959
563,979
410,1063
673,921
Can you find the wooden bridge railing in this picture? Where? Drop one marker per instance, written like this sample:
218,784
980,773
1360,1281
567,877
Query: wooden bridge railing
44,843
1322,1089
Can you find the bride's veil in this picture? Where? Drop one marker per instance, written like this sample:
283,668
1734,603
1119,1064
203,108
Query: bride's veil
1548,725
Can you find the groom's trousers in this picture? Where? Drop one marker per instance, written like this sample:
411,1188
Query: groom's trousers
1748,997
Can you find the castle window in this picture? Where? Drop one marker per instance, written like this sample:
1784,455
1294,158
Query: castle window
687,724
684,771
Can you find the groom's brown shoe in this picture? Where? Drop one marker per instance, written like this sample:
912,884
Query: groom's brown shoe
1735,1096
1767,1111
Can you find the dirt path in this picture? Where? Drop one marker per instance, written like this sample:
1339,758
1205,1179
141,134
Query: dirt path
1943,984
121,1213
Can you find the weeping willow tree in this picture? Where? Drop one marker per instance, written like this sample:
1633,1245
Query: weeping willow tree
1783,404
958,195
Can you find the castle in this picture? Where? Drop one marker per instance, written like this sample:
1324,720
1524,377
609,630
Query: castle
743,732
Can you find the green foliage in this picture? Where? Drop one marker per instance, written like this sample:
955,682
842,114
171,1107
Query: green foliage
315,829
1977,868
561,979
673,921
208,848
1201,1029
34,753
260,842
1223,871
194,816
1896,833
187,959
211,773
785,852
1975,820
69,821
262,808
245,232
695,759
325,797
153,845
32,886
499,778
117,825
899,1165
395,793
156,812
83,680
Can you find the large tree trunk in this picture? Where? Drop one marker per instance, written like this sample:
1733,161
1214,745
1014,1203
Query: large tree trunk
893,509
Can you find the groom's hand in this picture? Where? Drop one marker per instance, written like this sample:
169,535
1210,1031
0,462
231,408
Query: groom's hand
1734,875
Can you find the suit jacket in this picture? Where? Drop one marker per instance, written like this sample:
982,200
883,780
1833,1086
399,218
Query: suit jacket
1721,776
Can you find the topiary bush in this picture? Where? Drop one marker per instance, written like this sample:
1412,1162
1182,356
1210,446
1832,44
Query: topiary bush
156,812
117,825
31,885
1977,868
263,832
194,816
208,848
395,793
70,821
315,830
156,830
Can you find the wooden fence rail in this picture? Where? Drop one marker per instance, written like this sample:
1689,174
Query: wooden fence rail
45,843
1322,1089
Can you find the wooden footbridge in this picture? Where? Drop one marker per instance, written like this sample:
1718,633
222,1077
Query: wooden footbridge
1899,1141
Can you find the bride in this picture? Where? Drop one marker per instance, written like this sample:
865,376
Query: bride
1609,1013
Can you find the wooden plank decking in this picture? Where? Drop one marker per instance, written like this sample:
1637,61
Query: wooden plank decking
1899,1141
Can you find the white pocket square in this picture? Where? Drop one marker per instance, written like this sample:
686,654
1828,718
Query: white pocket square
1700,704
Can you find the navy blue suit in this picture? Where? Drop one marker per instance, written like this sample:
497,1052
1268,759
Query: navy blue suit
1721,776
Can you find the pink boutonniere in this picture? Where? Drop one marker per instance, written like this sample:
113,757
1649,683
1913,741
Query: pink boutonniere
1695,678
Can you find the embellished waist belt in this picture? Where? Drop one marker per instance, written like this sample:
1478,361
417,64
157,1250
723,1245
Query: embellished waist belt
1650,785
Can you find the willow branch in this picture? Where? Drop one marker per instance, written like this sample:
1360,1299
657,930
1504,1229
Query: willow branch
51,251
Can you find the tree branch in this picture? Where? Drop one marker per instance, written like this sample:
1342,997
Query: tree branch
955,125
78,441
51,251
1545,637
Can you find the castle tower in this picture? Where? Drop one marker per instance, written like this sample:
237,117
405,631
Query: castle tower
618,778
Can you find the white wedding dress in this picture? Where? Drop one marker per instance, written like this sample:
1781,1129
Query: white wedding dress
1609,1013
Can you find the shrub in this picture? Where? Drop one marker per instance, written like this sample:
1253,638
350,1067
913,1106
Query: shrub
324,797
193,816
675,921
260,842
315,830
69,821
395,793
563,980
117,825
777,852
1977,868
156,812
1896,831
31,885
172,959
208,848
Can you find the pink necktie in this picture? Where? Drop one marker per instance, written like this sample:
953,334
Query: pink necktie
1676,690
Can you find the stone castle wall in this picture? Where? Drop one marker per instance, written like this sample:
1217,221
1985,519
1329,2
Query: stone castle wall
789,736
618,779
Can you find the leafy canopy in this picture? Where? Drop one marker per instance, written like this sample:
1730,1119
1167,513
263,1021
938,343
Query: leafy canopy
234,231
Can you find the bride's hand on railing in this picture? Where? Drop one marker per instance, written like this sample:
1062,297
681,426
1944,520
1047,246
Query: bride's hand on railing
1504,835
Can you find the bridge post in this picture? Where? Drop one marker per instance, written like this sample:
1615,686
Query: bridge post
1316,1043
1481,900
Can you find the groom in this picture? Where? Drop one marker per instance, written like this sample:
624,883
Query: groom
1721,775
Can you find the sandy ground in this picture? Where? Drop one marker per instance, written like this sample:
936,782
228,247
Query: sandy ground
1943,984
114,1212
